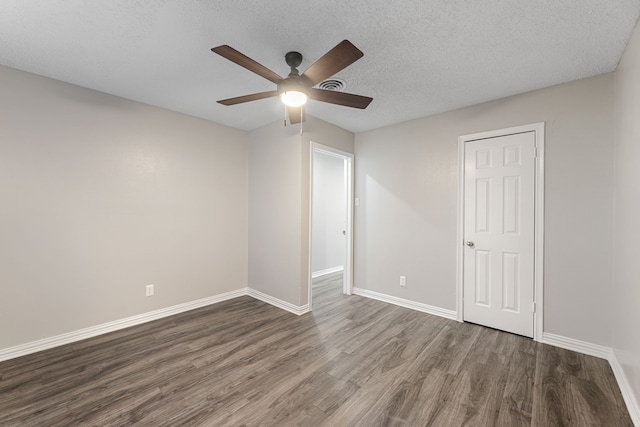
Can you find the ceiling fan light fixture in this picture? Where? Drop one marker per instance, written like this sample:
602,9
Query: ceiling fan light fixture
293,98
293,93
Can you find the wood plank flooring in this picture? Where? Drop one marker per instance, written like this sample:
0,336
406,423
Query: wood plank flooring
352,362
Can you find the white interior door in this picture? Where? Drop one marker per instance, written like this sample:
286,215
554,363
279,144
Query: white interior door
499,235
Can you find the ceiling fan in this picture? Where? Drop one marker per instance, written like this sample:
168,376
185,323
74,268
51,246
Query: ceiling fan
295,89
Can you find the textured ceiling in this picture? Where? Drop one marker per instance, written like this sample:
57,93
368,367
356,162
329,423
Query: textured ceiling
421,57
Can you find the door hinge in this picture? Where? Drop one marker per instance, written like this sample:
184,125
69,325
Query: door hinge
535,153
533,306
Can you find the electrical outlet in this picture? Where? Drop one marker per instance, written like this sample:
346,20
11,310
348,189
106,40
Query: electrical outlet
403,280
149,290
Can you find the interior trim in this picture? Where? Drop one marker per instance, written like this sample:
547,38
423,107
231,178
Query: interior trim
93,331
284,305
349,159
327,271
425,308
633,404
576,345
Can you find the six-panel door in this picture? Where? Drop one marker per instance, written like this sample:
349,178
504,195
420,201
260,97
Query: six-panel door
499,197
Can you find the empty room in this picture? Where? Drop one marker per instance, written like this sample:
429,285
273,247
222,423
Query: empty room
322,213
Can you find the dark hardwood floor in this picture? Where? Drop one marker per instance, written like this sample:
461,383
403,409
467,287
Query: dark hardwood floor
352,362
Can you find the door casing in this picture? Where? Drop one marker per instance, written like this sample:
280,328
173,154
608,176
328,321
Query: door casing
349,182
538,129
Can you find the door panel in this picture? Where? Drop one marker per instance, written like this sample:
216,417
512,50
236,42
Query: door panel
499,197
483,278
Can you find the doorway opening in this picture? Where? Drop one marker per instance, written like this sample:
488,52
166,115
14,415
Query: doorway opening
331,242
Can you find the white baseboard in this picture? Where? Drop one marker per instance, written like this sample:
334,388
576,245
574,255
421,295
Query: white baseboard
633,404
292,308
71,337
425,308
327,271
576,345
93,331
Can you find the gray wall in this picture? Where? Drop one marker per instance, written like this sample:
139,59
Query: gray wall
626,253
279,195
275,226
329,213
406,179
102,196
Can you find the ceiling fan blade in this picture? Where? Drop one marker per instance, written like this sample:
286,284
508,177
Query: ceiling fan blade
248,98
337,59
296,115
340,98
244,61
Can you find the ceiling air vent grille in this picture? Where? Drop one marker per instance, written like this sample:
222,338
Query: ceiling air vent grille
337,85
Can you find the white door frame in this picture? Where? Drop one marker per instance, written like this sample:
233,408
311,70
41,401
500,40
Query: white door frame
349,178
538,128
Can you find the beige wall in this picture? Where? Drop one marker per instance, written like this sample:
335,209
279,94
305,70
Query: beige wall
279,180
406,179
102,196
626,253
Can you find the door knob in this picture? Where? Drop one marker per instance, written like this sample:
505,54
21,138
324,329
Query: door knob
470,243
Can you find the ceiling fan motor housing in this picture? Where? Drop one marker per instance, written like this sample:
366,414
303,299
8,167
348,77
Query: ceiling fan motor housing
293,82
294,59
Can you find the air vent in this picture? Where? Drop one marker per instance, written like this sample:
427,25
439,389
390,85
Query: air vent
337,85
